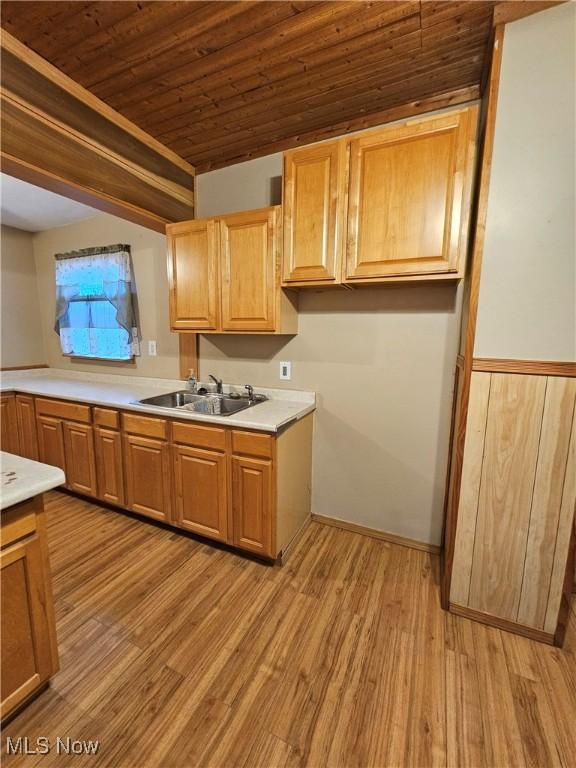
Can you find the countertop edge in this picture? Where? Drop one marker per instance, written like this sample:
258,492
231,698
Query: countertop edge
305,409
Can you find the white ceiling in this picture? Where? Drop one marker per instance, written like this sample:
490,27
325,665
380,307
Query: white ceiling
34,209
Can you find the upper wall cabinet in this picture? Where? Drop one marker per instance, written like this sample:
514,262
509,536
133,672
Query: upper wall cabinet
314,212
192,274
224,275
405,197
248,261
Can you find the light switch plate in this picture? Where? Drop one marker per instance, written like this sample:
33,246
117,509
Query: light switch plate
285,371
152,348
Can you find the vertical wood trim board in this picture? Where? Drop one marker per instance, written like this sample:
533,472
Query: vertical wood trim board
472,290
517,499
188,345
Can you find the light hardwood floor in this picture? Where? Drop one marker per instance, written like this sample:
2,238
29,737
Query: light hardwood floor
178,654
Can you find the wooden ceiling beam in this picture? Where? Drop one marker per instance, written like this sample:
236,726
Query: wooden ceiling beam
51,126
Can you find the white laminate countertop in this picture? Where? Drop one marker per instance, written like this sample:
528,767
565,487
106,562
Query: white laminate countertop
22,479
113,391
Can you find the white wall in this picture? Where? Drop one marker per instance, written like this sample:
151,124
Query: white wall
527,305
20,319
381,361
149,260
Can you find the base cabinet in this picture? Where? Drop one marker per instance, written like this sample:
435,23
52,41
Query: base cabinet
28,646
241,487
147,469
109,465
200,481
51,441
252,504
9,437
27,430
80,459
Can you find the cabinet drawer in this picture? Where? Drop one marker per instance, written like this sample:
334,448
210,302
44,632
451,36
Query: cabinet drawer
252,444
106,417
145,425
63,410
202,437
19,521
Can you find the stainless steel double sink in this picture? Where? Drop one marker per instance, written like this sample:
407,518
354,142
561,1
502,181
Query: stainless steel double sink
210,404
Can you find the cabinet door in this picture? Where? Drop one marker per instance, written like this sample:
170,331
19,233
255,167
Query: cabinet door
201,497
80,461
147,473
27,429
51,442
109,469
252,505
409,198
248,253
192,274
25,623
9,437
313,212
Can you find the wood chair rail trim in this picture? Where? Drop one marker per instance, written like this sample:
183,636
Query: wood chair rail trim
537,367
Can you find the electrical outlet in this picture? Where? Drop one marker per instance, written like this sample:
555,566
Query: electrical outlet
152,348
285,371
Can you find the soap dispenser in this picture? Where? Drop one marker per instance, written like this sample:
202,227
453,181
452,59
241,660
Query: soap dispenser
191,381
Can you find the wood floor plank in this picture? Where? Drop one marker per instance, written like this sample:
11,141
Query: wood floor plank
177,654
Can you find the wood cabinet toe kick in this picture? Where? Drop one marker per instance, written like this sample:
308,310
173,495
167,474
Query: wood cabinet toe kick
248,489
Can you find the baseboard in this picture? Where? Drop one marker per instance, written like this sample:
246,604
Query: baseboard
283,556
374,533
504,624
23,367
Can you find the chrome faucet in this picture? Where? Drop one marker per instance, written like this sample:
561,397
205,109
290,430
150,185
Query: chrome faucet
218,382
250,389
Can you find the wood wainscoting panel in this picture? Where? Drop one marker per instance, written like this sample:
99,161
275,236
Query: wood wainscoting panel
513,427
549,484
563,566
515,533
470,489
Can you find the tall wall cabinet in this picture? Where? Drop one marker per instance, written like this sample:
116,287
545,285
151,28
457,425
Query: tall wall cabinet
385,205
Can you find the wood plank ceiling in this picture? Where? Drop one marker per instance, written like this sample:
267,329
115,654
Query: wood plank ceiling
222,82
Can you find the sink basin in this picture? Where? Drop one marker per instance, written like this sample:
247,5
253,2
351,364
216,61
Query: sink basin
209,404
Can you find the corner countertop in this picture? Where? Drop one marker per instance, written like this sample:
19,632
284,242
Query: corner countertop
22,479
114,391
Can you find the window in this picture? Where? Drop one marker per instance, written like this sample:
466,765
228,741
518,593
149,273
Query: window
95,315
